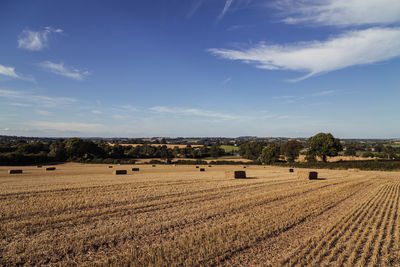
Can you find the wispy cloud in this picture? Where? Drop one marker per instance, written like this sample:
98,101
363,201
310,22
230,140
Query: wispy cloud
227,80
60,69
28,98
43,112
228,3
190,111
323,93
349,49
35,40
69,127
95,111
283,97
340,12
10,72
194,8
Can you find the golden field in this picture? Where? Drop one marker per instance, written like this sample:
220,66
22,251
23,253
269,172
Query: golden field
178,216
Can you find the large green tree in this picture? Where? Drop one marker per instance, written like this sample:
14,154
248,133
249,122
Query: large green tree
323,145
291,150
269,154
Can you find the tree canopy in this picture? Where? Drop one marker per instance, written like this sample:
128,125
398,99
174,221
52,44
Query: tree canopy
323,145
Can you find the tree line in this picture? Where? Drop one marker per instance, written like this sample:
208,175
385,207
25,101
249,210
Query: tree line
321,145
81,150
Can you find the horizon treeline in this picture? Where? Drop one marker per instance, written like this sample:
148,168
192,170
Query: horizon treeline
322,145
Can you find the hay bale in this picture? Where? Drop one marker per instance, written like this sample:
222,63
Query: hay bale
307,175
202,169
197,167
120,172
240,174
313,175
291,170
135,169
244,167
153,165
14,171
209,166
354,170
235,174
110,167
50,168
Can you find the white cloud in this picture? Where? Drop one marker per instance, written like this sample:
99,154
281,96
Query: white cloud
283,97
28,98
35,41
69,127
194,9
323,93
316,57
340,12
43,112
10,72
225,9
60,69
191,111
227,80
96,111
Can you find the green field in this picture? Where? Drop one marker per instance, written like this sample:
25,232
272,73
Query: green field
229,148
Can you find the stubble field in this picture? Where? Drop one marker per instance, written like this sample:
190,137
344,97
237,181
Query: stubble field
178,216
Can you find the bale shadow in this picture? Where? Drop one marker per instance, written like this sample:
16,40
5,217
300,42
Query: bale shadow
247,178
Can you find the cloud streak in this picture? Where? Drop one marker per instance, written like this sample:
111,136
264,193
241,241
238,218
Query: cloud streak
31,99
228,3
10,72
190,112
69,127
358,47
60,69
340,12
36,40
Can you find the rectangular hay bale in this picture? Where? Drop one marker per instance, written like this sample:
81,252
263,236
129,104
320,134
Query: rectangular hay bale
120,172
202,169
135,169
14,171
50,168
291,170
235,174
313,175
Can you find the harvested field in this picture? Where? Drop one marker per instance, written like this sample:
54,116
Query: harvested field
175,216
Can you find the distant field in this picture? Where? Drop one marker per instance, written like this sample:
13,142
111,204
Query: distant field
178,216
229,148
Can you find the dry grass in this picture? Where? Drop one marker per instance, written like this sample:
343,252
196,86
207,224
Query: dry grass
176,215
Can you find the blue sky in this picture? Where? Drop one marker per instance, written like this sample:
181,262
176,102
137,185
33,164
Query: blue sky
200,68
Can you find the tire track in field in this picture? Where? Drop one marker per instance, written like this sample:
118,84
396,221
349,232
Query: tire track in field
322,256
129,211
372,253
313,246
360,243
363,231
221,260
146,199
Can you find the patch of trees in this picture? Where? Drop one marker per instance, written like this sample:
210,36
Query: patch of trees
323,145
83,150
